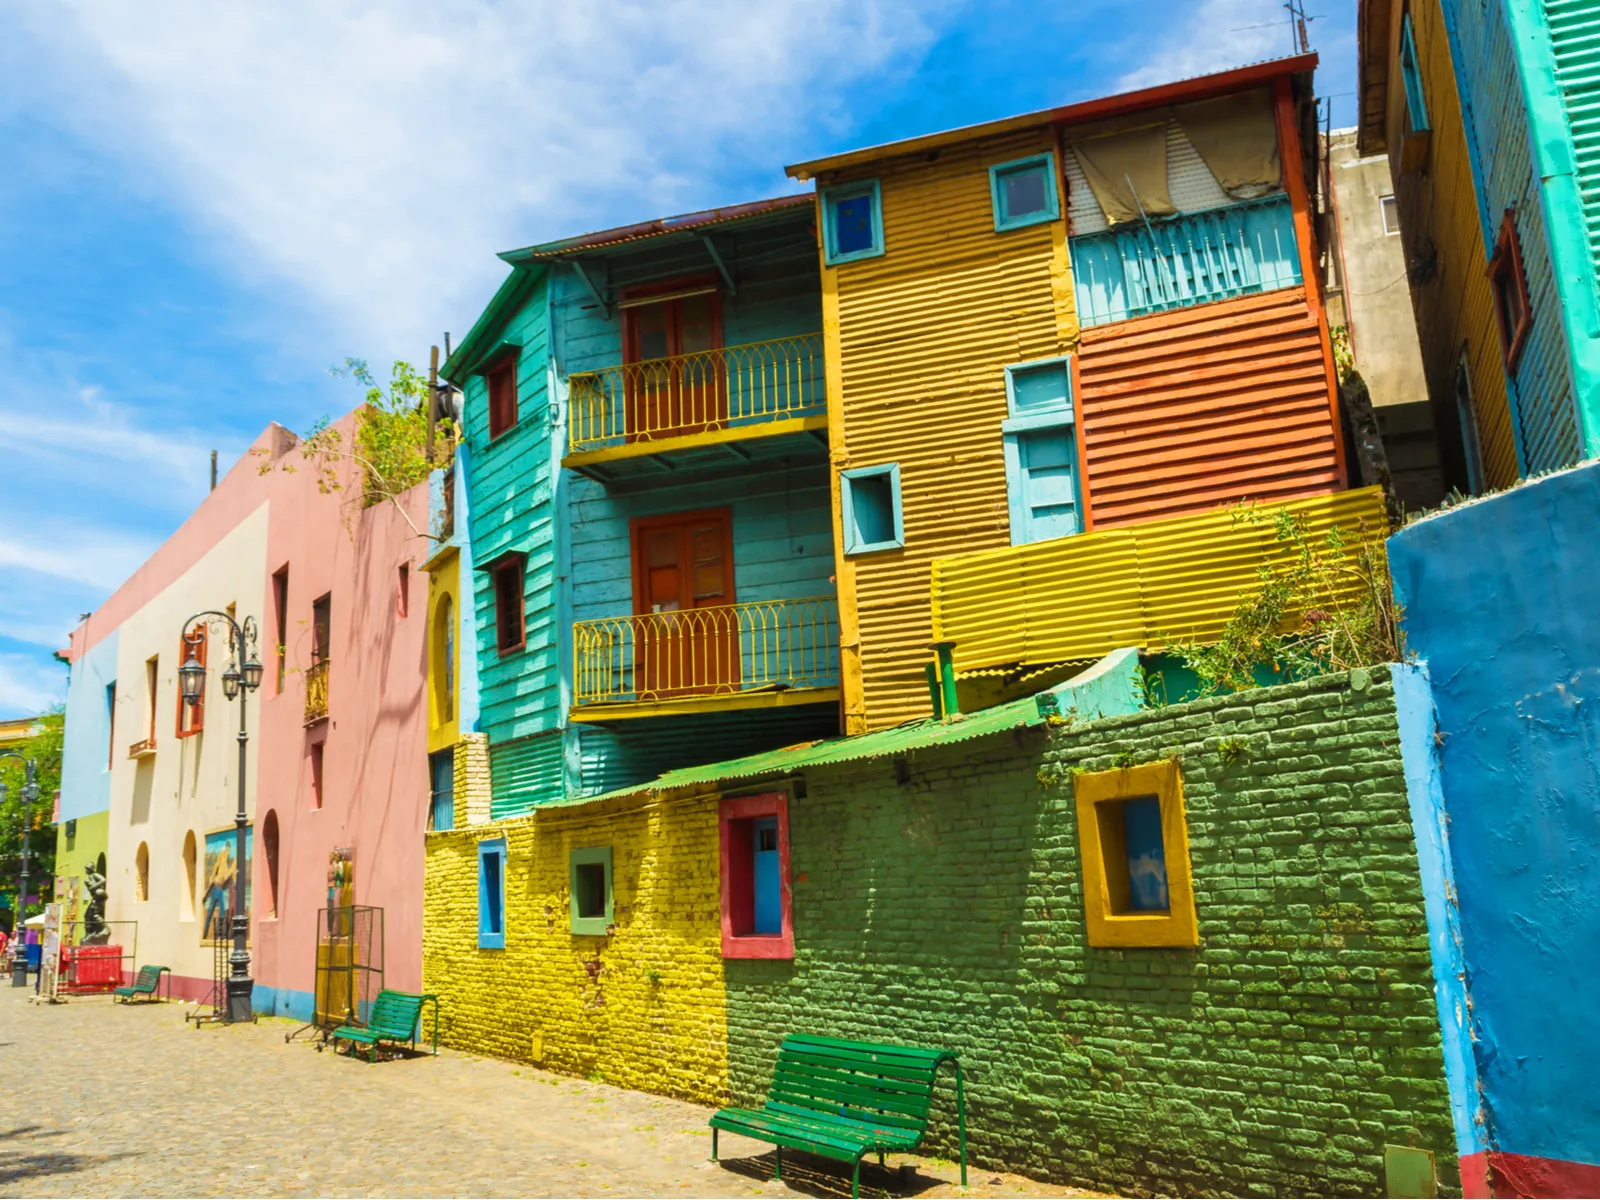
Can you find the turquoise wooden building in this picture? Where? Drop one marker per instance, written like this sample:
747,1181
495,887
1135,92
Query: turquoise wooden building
652,542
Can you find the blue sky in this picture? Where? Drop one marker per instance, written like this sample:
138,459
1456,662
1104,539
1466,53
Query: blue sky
203,207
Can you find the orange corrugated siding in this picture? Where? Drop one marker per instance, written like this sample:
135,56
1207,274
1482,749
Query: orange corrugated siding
1184,410
924,335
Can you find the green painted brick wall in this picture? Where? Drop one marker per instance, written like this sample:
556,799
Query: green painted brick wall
1277,1058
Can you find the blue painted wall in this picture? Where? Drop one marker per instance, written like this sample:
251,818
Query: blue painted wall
85,775
1490,77
1501,600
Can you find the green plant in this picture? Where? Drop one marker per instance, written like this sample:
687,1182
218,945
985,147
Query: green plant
389,446
1344,359
654,977
1234,750
1323,606
1122,760
1152,687
44,747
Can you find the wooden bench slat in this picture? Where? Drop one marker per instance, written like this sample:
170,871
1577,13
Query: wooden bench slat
909,1073
847,1120
840,1102
890,1093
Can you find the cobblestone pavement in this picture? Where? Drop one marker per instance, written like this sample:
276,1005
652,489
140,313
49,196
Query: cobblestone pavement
104,1100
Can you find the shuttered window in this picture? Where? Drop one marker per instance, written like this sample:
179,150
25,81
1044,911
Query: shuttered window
1411,73
1041,452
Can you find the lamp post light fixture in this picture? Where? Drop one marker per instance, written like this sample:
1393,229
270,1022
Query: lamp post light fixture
236,683
30,797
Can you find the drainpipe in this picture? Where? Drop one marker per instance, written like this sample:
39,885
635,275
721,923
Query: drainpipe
943,653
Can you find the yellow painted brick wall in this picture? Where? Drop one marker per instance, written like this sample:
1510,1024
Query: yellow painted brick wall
644,1007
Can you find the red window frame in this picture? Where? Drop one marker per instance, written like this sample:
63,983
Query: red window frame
191,718
736,820
500,381
501,574
1505,273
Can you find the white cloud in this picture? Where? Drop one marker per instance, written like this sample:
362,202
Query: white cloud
1216,35
29,686
377,156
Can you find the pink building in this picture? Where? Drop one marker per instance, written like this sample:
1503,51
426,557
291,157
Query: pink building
337,753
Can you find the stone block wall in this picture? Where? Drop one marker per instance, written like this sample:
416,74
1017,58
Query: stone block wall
1279,1057
641,1008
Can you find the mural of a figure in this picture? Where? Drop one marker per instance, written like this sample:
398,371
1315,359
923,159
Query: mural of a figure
217,895
95,929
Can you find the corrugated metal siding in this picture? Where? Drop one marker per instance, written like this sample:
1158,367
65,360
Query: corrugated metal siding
525,774
1082,597
925,333
1487,70
1185,410
1441,209
1575,38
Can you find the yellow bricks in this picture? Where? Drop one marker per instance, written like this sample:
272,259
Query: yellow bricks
1451,292
917,342
644,1007
1140,585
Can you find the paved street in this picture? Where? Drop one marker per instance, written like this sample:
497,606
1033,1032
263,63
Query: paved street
97,1099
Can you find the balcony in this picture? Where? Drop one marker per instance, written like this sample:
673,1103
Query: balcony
690,410
765,654
1078,598
145,748
1192,259
317,692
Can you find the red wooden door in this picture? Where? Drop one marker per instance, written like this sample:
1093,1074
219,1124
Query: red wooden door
686,637
675,384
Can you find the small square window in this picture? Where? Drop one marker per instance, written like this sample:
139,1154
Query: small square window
1024,192
590,884
1391,215
869,498
852,222
1134,841
1512,303
757,912
492,894
1039,387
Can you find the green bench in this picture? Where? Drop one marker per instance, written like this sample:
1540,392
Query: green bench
394,1018
843,1100
144,984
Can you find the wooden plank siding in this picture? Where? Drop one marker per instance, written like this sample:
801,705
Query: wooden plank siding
1440,208
511,510
918,340
1185,410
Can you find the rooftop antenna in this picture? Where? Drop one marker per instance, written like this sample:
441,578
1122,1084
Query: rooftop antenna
213,470
1297,26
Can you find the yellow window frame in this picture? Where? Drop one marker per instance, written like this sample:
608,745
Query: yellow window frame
1109,920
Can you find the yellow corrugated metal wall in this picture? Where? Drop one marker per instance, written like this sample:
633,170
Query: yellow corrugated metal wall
918,340
1455,309
1143,585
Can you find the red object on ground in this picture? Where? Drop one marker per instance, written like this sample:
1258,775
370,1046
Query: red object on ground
89,969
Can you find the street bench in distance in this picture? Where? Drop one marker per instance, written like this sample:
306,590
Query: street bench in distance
394,1019
843,1100
144,984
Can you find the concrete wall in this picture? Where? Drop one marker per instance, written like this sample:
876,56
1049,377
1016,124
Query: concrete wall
1281,1056
1500,600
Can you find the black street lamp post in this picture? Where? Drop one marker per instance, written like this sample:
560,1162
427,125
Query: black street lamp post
30,797
243,668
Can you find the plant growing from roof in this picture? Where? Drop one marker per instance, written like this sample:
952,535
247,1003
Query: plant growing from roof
1326,606
390,442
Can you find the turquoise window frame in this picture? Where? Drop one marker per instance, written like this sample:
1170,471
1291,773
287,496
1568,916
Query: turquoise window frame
1014,427
847,480
1047,160
830,200
489,938
588,856
1411,74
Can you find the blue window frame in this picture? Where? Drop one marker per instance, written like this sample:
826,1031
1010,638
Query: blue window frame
442,772
1024,192
492,894
869,502
767,885
589,885
852,222
1416,106
1041,451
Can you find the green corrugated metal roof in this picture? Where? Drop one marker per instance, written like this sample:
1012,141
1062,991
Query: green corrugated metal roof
1109,688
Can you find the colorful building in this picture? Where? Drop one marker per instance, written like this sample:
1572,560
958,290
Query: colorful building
1059,324
333,729
1485,114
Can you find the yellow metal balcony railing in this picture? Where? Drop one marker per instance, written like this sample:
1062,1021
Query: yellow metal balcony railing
1144,585
768,644
316,691
696,393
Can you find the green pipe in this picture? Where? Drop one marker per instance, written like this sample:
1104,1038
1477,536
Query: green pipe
944,652
933,691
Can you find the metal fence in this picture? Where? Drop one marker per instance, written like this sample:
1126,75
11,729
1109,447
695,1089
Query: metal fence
730,648
696,393
316,691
